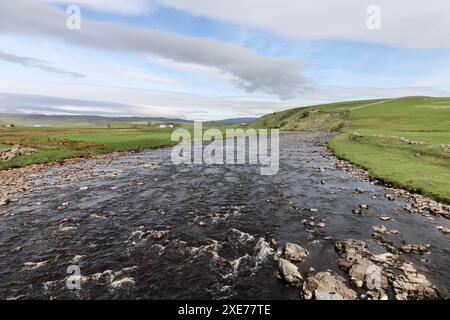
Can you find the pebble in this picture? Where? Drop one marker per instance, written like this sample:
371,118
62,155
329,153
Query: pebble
390,197
63,206
321,225
4,201
379,228
444,230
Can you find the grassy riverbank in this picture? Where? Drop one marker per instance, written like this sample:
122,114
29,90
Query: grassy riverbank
404,141
60,144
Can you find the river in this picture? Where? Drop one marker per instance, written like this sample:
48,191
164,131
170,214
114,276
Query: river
219,220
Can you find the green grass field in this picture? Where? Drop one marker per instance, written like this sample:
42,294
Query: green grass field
403,141
55,145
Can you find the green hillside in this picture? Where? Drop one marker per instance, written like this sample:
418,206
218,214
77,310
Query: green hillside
405,141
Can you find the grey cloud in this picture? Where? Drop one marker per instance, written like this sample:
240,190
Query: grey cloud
252,72
36,63
404,23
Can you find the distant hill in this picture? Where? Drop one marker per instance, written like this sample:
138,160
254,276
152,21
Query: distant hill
76,121
38,120
234,121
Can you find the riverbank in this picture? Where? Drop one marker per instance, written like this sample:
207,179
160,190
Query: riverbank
417,166
19,181
57,145
421,204
402,141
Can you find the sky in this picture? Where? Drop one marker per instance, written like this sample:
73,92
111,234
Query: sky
215,59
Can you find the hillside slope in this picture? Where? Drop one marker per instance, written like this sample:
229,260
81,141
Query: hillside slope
405,141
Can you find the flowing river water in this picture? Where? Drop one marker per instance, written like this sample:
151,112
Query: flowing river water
100,215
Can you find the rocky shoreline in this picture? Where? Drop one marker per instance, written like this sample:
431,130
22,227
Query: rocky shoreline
378,276
420,204
19,181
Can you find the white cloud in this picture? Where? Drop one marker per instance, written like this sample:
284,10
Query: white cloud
407,23
124,7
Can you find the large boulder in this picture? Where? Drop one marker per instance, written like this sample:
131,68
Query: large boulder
365,272
292,252
289,272
325,286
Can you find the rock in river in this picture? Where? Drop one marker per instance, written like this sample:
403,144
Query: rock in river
444,230
4,201
420,248
158,234
292,252
356,260
413,285
289,272
325,286
384,217
379,229
390,268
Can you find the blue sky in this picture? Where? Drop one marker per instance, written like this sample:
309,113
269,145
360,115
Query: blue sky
208,60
